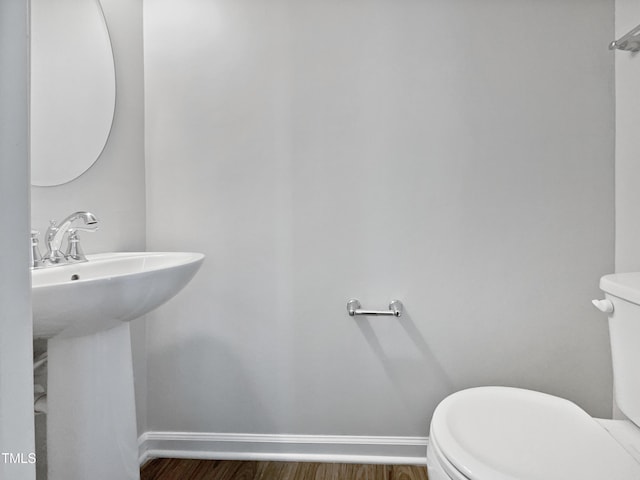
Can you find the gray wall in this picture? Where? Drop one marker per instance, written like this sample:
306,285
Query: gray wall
627,145
16,362
113,188
457,155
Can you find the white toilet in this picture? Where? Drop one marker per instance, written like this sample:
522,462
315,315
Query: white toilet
502,433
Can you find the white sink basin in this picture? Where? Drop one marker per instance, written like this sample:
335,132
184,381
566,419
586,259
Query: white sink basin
111,288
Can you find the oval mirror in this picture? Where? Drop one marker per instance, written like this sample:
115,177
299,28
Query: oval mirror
73,88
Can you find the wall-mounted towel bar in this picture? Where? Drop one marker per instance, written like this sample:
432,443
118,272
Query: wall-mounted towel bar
629,41
354,308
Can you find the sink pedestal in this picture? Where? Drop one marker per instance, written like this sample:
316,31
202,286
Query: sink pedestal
91,422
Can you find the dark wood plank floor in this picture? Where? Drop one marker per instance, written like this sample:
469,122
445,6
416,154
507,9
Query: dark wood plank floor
181,469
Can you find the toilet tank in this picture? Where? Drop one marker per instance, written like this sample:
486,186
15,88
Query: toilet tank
623,290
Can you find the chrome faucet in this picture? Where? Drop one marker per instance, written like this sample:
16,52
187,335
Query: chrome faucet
55,235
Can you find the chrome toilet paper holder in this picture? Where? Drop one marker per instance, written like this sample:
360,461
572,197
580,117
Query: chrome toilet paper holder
355,308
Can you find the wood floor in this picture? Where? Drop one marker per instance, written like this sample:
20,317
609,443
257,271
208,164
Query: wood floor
180,469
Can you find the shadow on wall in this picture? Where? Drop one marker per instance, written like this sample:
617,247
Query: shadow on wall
240,396
409,374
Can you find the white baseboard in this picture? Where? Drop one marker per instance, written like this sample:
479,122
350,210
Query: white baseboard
291,448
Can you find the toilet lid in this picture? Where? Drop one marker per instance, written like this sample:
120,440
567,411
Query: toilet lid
501,433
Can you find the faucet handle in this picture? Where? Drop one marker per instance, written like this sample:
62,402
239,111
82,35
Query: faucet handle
74,251
36,257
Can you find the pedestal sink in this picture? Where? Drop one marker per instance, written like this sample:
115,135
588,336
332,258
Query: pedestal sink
110,288
83,310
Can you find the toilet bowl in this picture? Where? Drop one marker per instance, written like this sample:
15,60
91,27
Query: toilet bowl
504,433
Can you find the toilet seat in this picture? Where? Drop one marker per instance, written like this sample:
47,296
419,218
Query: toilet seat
502,433
439,468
